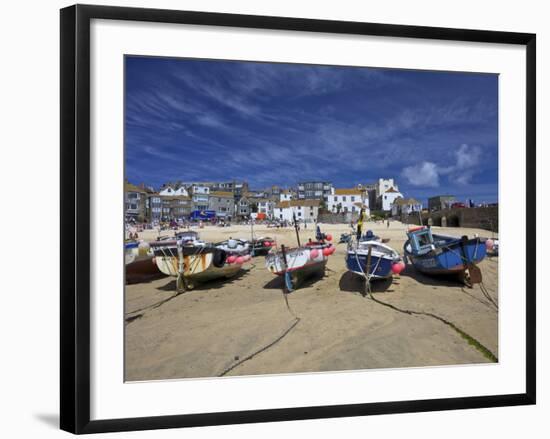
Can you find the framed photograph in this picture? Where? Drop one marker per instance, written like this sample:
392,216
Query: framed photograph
275,218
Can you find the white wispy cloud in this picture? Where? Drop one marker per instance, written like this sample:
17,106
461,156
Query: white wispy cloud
427,173
423,174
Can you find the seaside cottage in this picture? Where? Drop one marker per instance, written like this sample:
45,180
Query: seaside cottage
347,201
170,190
286,195
388,198
314,190
176,208
199,195
265,206
305,210
223,203
135,202
405,206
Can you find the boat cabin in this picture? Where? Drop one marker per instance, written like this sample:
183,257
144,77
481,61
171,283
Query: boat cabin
187,236
421,240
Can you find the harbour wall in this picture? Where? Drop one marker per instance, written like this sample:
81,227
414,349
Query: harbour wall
475,217
337,218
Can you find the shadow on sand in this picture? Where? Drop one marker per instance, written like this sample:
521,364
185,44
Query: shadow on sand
354,283
277,283
442,280
209,285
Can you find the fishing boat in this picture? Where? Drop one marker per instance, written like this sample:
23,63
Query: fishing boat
299,263
261,246
368,255
138,259
191,260
371,258
237,247
441,254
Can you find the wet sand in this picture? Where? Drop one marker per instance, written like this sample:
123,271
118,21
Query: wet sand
205,332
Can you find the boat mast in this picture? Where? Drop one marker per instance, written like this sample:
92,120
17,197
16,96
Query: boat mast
296,228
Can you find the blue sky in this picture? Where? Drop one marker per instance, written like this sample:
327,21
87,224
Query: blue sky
266,123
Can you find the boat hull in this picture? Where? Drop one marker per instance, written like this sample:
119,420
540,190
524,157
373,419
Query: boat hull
300,263
199,268
141,270
454,258
380,267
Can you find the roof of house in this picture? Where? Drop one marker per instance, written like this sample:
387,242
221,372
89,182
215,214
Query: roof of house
392,190
297,203
352,191
221,194
406,201
129,187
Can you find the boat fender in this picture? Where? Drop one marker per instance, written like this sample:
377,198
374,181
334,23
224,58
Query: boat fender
219,257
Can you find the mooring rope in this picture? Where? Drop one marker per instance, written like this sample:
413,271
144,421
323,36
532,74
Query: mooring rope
486,352
270,344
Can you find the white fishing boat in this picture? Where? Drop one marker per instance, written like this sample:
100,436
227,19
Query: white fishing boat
297,264
191,260
238,247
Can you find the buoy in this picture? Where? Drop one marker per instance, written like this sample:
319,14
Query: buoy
489,244
231,259
332,249
247,258
329,237
239,260
313,253
327,251
267,244
397,267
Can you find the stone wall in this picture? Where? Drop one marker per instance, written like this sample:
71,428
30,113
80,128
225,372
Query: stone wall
337,218
477,217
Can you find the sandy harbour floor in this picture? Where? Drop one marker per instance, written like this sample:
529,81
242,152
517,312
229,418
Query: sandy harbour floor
206,331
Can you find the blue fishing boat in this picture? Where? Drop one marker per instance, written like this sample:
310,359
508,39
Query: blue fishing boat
371,258
441,254
367,256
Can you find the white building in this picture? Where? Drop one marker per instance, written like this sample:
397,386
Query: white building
265,206
347,200
305,210
285,195
200,196
384,185
388,197
172,191
405,206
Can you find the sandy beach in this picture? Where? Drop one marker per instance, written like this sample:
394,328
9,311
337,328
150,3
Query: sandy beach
330,325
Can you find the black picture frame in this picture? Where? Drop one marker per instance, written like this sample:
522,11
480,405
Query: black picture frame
75,217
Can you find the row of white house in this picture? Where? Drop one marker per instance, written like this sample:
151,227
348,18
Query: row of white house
345,200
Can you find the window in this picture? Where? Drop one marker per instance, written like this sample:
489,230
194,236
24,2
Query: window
352,199
344,198
335,198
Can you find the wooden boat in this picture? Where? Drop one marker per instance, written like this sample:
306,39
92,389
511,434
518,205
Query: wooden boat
191,260
139,261
441,254
261,246
302,262
371,258
368,255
